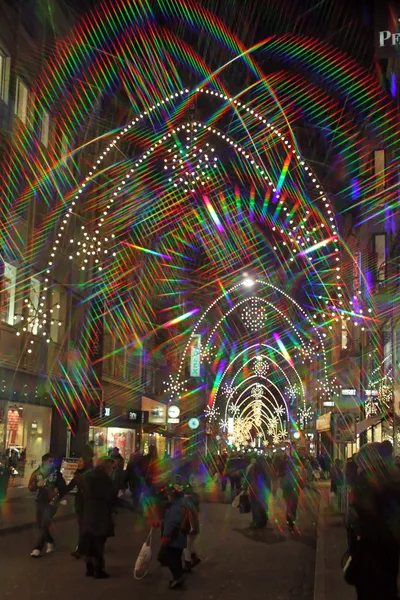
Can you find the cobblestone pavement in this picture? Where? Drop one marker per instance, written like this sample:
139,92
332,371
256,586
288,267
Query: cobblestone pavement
237,562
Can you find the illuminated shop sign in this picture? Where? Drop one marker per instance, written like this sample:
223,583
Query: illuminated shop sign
387,29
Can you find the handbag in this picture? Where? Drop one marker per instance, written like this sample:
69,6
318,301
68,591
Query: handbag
236,502
144,559
352,565
244,504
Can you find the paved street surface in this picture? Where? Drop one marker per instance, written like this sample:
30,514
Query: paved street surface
237,562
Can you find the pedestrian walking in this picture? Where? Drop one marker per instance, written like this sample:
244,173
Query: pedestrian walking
175,529
375,545
77,482
293,480
99,500
337,481
49,485
132,479
259,487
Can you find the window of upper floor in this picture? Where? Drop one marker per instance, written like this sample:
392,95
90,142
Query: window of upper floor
22,98
4,74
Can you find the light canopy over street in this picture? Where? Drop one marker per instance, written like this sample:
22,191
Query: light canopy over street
199,268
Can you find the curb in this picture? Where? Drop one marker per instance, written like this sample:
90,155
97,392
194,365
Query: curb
320,563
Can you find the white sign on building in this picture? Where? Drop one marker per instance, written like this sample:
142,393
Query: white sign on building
195,356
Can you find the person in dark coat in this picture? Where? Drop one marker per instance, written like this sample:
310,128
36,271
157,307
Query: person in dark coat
132,479
174,535
293,480
99,501
259,487
77,482
376,501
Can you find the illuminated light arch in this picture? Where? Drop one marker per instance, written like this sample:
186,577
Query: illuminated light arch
277,366
266,284
228,139
265,387
313,54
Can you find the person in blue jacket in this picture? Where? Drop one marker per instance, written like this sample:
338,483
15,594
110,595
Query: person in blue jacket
175,529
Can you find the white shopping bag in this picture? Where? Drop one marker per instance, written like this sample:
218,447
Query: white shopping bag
236,502
144,559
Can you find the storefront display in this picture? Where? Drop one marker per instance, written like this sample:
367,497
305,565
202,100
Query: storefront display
107,438
27,438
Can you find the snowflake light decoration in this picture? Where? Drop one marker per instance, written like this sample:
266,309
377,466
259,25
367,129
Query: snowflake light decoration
257,391
211,413
371,408
280,410
275,438
254,315
223,425
261,367
241,431
305,416
191,168
257,413
234,409
228,390
282,434
272,425
265,443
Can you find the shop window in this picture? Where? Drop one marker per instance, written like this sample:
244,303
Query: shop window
4,75
21,100
45,129
8,294
380,257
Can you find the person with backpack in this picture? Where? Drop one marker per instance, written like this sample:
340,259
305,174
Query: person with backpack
49,485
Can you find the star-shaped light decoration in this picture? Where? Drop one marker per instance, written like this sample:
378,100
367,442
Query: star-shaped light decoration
261,367
280,410
228,390
212,413
234,409
223,425
254,315
305,416
257,391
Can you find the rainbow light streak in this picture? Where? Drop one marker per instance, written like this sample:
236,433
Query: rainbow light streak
283,349
181,318
148,251
317,246
217,381
213,214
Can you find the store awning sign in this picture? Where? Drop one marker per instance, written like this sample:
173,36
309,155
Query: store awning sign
195,356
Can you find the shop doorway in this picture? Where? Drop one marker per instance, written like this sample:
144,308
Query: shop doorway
27,438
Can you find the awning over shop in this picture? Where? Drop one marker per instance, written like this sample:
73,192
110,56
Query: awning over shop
367,423
324,422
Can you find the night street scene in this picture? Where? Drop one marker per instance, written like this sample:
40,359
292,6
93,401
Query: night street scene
199,299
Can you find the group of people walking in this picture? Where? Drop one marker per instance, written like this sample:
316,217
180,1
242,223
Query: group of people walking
165,497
